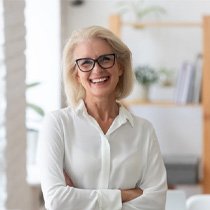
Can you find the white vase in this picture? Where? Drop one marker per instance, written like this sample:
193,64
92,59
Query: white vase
139,92
145,92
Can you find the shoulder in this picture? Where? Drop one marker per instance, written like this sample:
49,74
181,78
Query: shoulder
139,124
60,116
144,127
133,118
146,131
61,113
140,121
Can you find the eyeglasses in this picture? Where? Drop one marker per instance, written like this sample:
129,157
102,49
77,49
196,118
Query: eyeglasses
104,61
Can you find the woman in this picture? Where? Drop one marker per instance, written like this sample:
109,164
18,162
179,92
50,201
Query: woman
95,154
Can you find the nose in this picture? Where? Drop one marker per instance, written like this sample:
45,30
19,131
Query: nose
97,67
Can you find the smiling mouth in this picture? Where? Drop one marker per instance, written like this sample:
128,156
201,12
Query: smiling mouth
99,80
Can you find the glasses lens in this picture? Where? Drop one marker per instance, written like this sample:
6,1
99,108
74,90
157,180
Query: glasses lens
85,64
106,61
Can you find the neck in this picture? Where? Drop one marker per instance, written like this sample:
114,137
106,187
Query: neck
104,111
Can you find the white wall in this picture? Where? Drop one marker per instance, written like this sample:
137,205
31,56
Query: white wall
43,53
179,129
43,56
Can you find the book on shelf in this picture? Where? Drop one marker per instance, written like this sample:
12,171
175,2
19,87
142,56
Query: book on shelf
188,86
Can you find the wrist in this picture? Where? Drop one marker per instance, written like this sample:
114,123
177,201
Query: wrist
125,195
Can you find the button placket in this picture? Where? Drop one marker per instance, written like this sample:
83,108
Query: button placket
105,162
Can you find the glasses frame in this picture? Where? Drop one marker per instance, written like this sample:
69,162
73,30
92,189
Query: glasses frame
96,61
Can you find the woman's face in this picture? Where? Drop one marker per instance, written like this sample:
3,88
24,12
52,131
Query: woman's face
98,82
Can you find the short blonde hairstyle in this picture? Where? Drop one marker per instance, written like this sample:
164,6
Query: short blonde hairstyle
73,89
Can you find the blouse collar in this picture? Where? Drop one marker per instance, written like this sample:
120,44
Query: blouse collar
124,113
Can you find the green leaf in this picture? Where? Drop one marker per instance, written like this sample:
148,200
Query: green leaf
146,75
139,9
150,10
36,108
34,84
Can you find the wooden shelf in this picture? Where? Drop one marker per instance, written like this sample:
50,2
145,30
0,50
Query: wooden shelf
116,24
206,103
133,102
162,24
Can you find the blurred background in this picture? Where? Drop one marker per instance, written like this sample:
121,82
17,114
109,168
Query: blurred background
168,38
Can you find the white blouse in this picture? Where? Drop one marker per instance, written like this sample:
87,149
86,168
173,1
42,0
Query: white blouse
99,164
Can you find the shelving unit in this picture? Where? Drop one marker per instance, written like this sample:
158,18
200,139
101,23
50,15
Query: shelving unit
116,24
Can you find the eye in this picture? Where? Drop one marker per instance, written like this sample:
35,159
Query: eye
85,62
106,58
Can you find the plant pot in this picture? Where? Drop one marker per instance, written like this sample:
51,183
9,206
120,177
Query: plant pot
140,92
145,92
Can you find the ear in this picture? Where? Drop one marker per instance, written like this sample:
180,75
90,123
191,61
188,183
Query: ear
121,71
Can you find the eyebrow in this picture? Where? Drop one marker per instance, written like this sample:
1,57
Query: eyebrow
111,53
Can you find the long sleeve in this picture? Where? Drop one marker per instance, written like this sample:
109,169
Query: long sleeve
153,182
57,195
99,164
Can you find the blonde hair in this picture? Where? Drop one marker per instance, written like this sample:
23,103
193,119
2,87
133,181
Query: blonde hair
73,89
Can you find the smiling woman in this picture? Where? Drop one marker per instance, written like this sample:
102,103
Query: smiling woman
94,154
105,74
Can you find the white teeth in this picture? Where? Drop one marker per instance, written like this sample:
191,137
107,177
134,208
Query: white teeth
99,80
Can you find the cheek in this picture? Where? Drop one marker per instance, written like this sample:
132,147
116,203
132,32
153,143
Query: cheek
81,78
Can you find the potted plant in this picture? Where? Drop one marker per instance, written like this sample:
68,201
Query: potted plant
166,77
138,9
146,76
33,106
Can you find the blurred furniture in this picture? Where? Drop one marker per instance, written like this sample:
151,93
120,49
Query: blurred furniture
176,200
198,202
182,169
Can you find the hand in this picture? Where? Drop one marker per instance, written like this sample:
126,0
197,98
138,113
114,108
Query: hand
130,194
68,179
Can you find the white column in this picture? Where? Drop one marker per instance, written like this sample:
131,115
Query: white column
13,56
2,114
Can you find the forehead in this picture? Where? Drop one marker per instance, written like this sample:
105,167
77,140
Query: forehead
92,48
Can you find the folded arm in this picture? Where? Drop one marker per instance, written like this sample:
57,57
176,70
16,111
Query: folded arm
126,195
153,183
